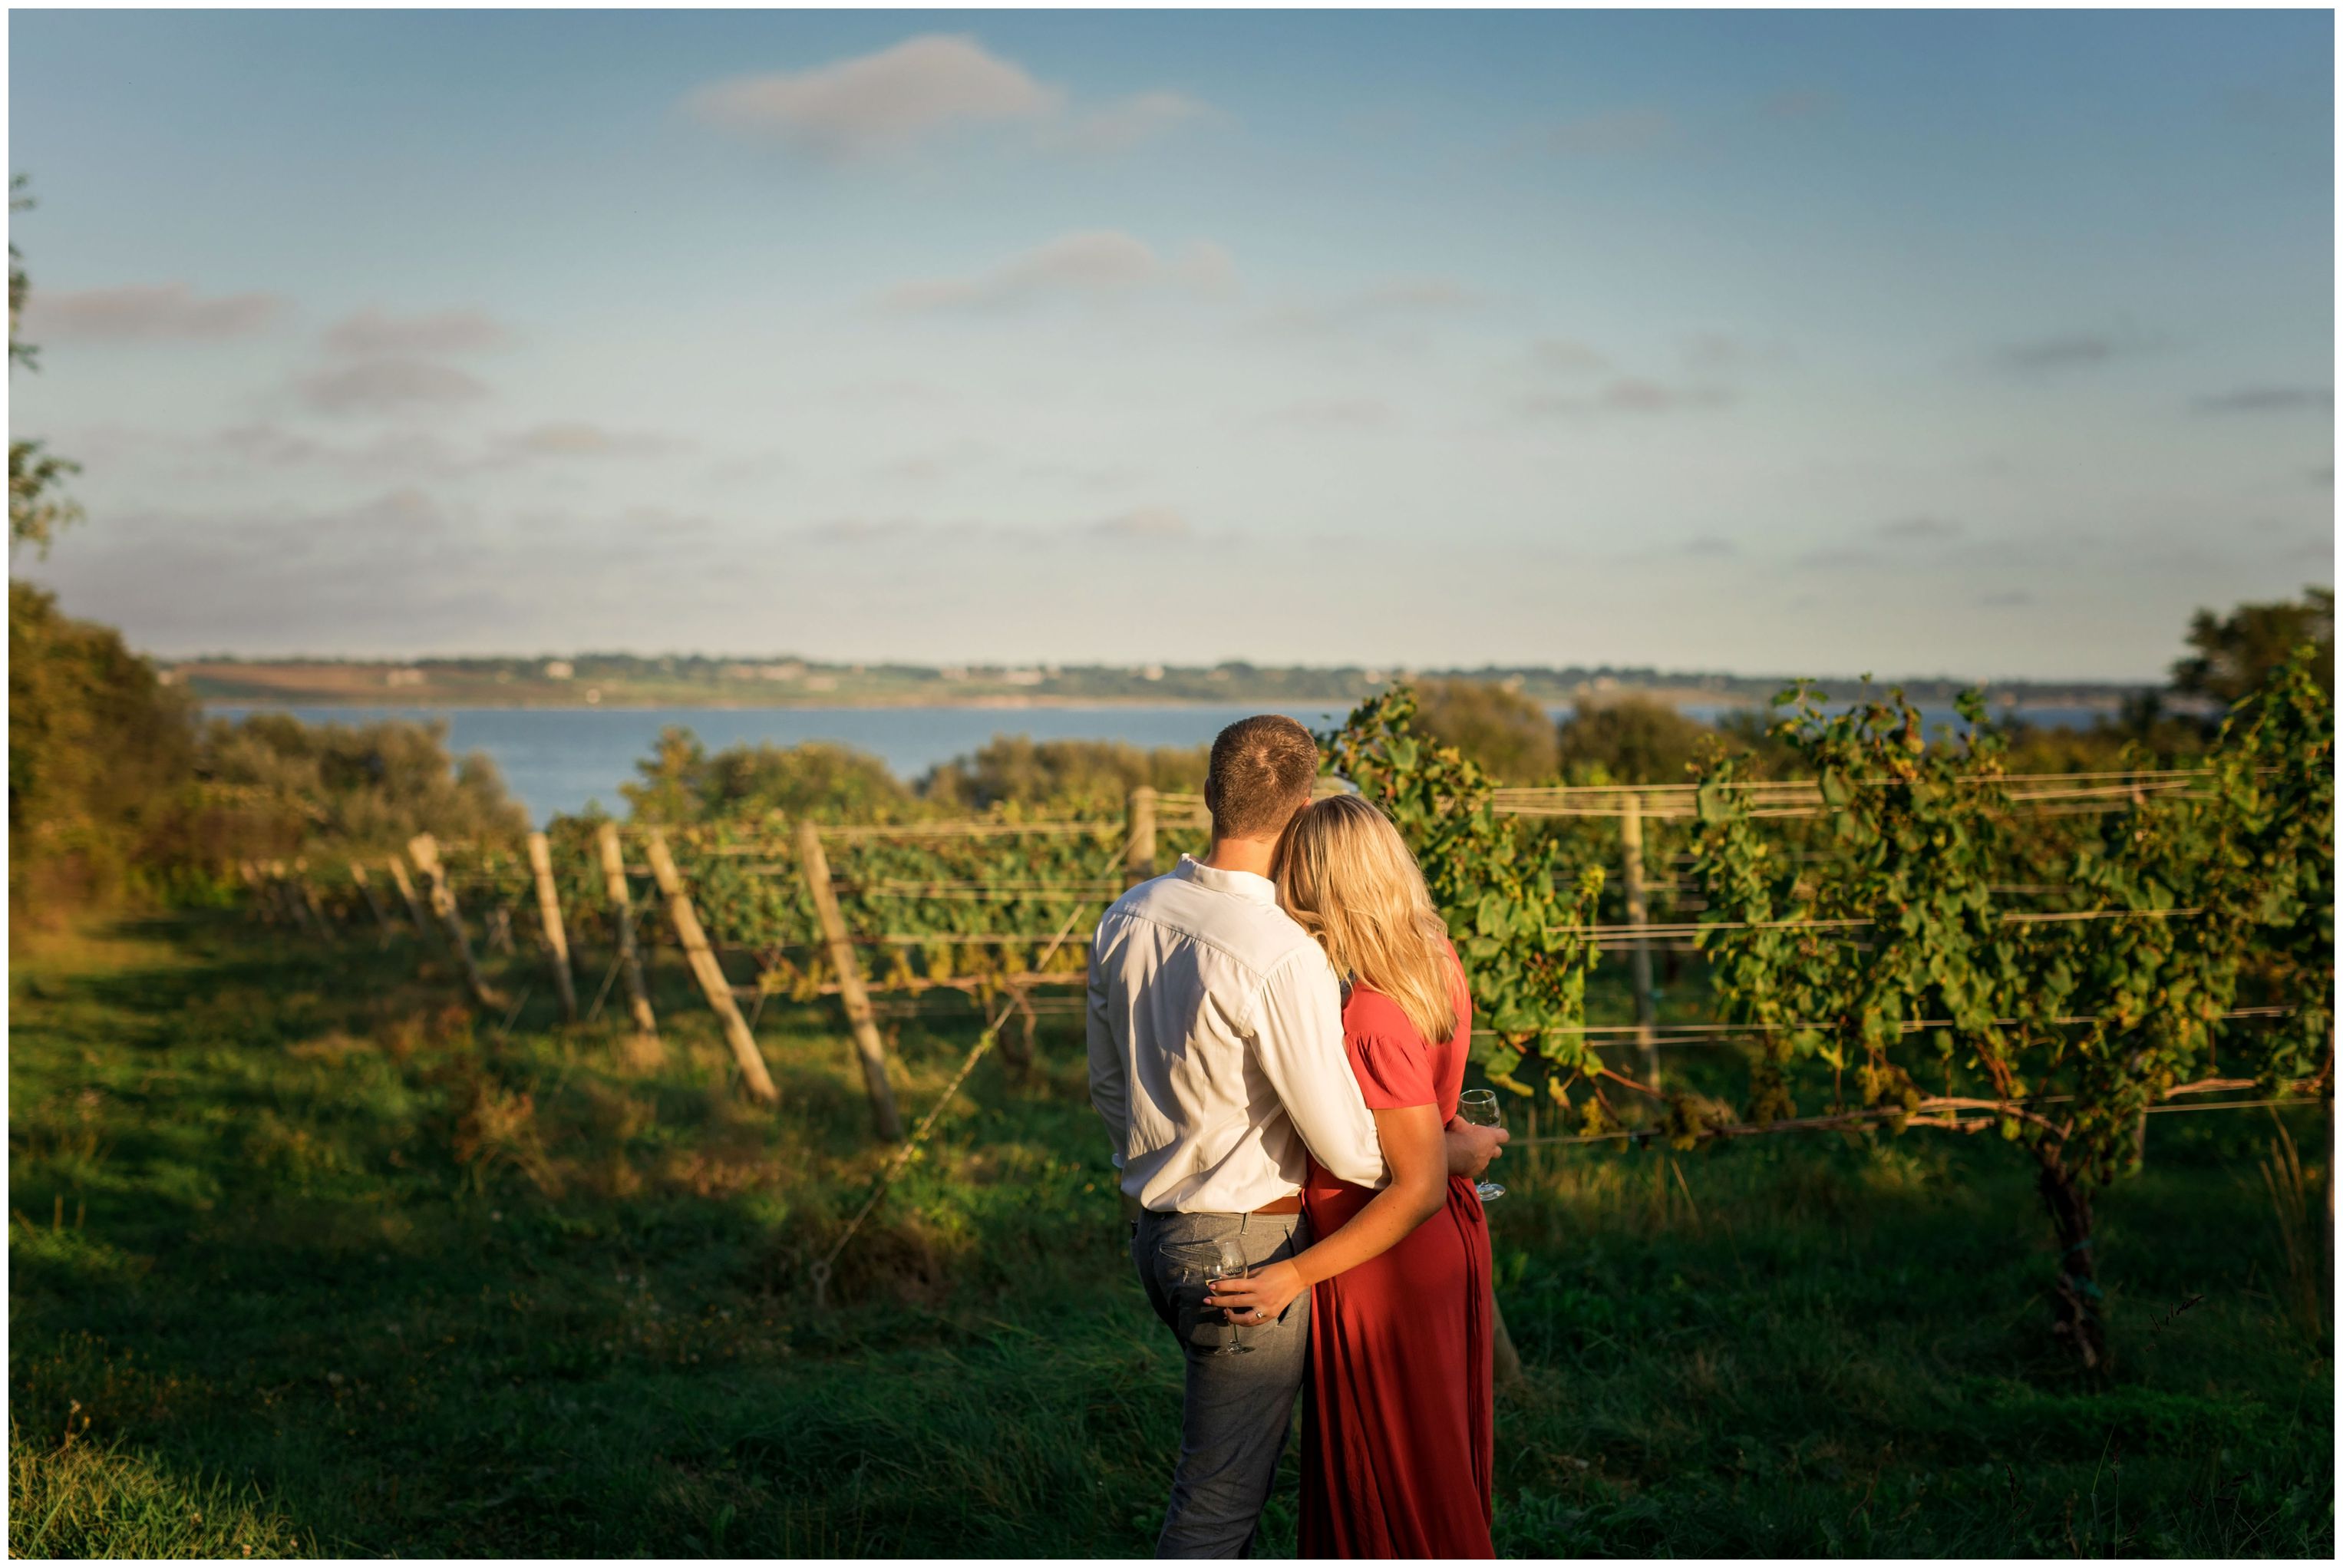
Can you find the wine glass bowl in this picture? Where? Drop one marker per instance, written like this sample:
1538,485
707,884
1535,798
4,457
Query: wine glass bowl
1204,1264
1479,1106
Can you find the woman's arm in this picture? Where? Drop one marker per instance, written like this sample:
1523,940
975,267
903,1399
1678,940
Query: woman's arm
1415,1147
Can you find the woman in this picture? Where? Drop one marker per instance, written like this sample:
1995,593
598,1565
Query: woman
1398,1441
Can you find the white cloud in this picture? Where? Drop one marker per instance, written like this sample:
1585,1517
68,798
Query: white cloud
2271,400
372,332
1143,524
168,312
1332,413
922,91
577,438
372,385
1393,302
1095,265
1567,357
879,104
1922,528
1628,395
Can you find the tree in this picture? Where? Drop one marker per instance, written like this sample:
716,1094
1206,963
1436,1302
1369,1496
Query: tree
1629,741
1073,776
2236,653
37,509
98,753
683,782
1501,731
274,786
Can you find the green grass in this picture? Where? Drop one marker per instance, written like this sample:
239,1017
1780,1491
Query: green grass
306,1258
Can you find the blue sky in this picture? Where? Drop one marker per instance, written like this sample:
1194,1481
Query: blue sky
1981,342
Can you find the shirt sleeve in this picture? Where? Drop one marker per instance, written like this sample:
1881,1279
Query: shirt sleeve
1298,1041
1109,1092
1390,1058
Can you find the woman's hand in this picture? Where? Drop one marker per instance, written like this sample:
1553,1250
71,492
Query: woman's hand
1257,1297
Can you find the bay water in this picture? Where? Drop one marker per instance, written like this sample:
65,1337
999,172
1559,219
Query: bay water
560,759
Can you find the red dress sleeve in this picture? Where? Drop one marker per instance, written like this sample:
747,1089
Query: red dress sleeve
1389,1056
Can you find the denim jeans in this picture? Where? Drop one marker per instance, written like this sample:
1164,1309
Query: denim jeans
1238,1408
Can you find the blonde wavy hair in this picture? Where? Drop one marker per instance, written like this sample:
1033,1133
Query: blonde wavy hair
1343,872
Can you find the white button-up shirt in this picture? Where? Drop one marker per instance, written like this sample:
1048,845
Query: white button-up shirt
1216,1048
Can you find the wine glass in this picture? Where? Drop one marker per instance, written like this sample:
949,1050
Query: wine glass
1479,1106
1202,1264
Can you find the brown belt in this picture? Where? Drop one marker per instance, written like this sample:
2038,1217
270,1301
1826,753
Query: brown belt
1289,1204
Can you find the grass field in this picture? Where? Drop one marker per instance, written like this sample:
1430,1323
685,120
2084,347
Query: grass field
306,1260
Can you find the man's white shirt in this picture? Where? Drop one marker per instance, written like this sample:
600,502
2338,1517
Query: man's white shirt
1216,1048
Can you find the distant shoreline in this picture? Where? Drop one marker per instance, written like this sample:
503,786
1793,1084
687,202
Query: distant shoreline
1005,704
590,683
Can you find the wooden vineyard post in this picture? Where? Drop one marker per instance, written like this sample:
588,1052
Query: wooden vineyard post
1019,1047
709,973
622,915
815,866
289,901
255,907
425,848
1139,850
1508,1360
308,896
406,886
373,900
549,914
1639,955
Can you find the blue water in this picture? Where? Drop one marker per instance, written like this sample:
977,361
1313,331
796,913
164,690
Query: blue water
559,759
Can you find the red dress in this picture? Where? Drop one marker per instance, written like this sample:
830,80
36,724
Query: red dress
1397,1438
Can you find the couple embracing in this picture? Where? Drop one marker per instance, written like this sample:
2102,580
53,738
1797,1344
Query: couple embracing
1277,1042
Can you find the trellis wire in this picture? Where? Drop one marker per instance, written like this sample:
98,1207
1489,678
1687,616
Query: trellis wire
1855,1118
819,1272
1910,1026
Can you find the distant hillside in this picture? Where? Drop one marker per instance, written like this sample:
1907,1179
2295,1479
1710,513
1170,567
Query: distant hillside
627,680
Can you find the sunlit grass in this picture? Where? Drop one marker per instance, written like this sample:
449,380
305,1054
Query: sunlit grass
306,1258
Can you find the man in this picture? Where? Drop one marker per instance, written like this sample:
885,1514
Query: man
1216,1058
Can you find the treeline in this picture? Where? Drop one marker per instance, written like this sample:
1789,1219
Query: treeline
1014,775
1624,739
118,788
1636,740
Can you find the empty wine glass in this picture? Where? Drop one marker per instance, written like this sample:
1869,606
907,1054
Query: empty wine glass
1202,1264
1479,1106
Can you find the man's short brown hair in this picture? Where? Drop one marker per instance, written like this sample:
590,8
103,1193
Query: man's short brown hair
1261,771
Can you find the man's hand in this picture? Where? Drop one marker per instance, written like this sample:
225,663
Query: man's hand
1472,1147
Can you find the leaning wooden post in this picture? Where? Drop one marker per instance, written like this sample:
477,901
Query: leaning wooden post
1639,954
309,899
549,914
425,848
622,914
406,886
815,867
1507,1361
709,973
255,907
291,900
373,900
1138,848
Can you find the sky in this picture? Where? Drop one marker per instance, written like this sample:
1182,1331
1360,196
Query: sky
1986,344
